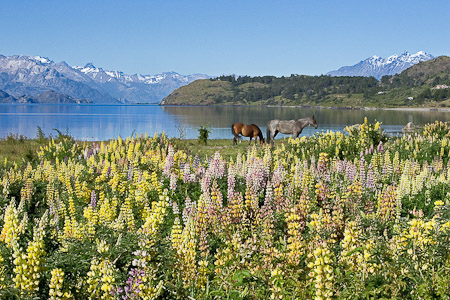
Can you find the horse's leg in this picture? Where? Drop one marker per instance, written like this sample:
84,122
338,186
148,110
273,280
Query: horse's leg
234,141
297,134
250,140
272,139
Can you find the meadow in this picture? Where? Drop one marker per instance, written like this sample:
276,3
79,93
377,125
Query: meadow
355,215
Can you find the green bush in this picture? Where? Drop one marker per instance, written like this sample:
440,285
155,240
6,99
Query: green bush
204,132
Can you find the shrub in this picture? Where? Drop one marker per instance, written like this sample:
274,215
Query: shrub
204,132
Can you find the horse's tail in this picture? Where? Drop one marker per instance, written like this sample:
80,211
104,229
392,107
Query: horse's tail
268,134
232,130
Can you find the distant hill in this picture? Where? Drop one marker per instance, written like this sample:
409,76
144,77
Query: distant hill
378,67
6,98
405,89
47,97
52,97
35,75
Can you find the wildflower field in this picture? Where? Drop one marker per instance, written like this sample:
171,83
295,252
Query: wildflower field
357,215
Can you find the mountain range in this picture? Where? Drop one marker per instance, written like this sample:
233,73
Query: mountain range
36,75
378,67
37,79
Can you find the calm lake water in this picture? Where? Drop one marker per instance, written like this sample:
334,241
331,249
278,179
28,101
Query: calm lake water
103,122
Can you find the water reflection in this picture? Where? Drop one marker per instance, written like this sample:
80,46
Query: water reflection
101,122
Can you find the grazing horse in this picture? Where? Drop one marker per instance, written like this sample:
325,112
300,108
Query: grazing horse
290,127
251,131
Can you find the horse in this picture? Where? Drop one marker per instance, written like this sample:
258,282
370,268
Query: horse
251,131
289,127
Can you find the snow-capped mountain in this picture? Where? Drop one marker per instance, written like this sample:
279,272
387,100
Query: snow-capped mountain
34,75
138,87
378,67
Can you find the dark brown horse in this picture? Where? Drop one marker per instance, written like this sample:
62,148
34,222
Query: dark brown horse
251,131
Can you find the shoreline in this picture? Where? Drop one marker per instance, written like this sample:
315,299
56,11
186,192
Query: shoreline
406,108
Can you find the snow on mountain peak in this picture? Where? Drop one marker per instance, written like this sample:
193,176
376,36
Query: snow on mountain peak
35,74
41,59
377,66
106,75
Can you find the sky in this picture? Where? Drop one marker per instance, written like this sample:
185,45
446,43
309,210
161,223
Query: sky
223,37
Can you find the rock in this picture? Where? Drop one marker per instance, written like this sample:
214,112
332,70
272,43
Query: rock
410,127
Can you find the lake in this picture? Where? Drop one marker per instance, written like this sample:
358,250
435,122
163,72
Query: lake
103,122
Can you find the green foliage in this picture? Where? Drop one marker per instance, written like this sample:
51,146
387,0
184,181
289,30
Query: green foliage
13,139
437,130
40,135
203,133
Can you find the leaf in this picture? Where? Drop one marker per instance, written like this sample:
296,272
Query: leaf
359,249
246,273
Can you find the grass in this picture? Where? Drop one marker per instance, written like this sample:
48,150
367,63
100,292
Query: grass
225,147
18,149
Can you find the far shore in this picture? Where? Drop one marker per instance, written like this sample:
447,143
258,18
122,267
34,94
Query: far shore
406,108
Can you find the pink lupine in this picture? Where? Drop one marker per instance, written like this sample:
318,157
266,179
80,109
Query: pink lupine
173,182
168,165
231,181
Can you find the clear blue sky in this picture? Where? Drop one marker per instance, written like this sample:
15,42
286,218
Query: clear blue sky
223,37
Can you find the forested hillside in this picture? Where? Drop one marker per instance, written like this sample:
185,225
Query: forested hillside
422,84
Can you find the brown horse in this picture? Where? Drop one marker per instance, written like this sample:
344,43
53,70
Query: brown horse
251,131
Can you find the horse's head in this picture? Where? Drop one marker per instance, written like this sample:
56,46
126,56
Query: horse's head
313,122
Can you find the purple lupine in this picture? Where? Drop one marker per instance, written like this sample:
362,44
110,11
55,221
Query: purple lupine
313,162
340,166
130,174
51,205
350,171
169,161
96,149
186,172
256,176
370,182
196,163
93,199
175,209
298,175
131,290
266,211
231,181
205,182
216,166
380,148
173,181
189,208
278,175
362,170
